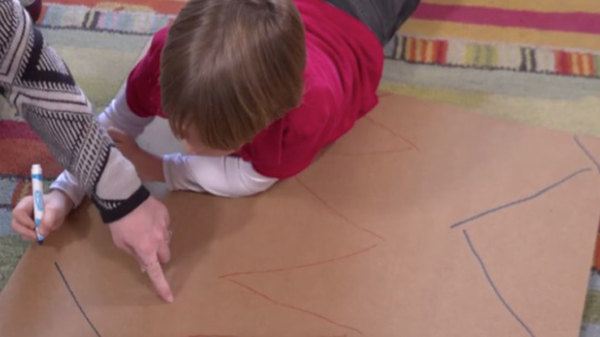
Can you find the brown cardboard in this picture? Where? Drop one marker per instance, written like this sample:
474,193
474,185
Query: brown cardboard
360,244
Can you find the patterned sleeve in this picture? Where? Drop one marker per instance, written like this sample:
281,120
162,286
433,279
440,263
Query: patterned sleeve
38,83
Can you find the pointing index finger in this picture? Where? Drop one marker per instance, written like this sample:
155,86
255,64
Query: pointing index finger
155,272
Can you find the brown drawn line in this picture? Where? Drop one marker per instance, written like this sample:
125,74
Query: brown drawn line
392,132
314,314
276,270
374,153
336,212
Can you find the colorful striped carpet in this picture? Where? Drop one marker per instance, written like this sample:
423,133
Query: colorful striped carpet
535,62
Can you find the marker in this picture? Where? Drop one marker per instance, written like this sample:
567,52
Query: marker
38,198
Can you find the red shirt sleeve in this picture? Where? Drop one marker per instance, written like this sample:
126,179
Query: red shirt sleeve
143,87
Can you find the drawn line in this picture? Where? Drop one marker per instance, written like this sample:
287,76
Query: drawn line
75,299
373,153
489,279
276,270
314,314
587,153
516,202
336,212
214,336
344,335
392,132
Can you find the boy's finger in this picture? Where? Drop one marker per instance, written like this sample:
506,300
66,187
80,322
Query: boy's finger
115,133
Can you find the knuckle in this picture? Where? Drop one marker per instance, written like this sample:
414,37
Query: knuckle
146,248
159,236
156,274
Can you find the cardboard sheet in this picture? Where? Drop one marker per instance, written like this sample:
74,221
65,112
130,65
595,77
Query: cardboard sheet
422,221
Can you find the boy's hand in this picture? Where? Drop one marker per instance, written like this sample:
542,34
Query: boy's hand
148,166
144,234
57,205
125,143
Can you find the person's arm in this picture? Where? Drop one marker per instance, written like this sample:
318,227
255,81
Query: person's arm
117,115
38,83
222,176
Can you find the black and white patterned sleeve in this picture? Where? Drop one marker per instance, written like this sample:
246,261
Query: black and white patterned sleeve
38,83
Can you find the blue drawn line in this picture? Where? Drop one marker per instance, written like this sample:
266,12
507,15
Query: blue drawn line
75,299
489,279
516,202
587,153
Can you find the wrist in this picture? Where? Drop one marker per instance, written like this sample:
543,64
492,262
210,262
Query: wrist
64,198
149,167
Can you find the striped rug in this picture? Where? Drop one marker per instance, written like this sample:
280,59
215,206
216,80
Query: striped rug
488,56
412,49
535,62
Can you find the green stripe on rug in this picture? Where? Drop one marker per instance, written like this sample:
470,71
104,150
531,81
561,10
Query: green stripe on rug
591,314
99,61
576,116
11,250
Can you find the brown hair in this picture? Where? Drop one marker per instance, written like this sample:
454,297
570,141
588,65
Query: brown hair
229,68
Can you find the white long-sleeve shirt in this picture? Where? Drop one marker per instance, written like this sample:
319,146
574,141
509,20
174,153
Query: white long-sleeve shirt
223,176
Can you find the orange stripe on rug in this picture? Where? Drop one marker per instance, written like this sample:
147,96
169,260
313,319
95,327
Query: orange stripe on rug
495,34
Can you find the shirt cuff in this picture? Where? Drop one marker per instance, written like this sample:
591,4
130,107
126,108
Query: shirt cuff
68,184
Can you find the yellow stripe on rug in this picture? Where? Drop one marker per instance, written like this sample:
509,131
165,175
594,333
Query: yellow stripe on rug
444,29
590,6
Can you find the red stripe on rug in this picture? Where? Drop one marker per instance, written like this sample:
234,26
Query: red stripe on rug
442,51
16,130
413,50
424,46
579,22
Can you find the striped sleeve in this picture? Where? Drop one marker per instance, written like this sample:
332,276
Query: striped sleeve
38,83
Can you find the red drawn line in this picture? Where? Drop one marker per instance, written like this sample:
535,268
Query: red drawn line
314,314
336,212
374,153
214,336
344,335
392,132
276,270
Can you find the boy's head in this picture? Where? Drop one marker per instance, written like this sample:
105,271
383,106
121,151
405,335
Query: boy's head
230,68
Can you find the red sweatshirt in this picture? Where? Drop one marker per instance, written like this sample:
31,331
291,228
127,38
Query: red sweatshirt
344,66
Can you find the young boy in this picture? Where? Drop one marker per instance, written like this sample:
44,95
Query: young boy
254,88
